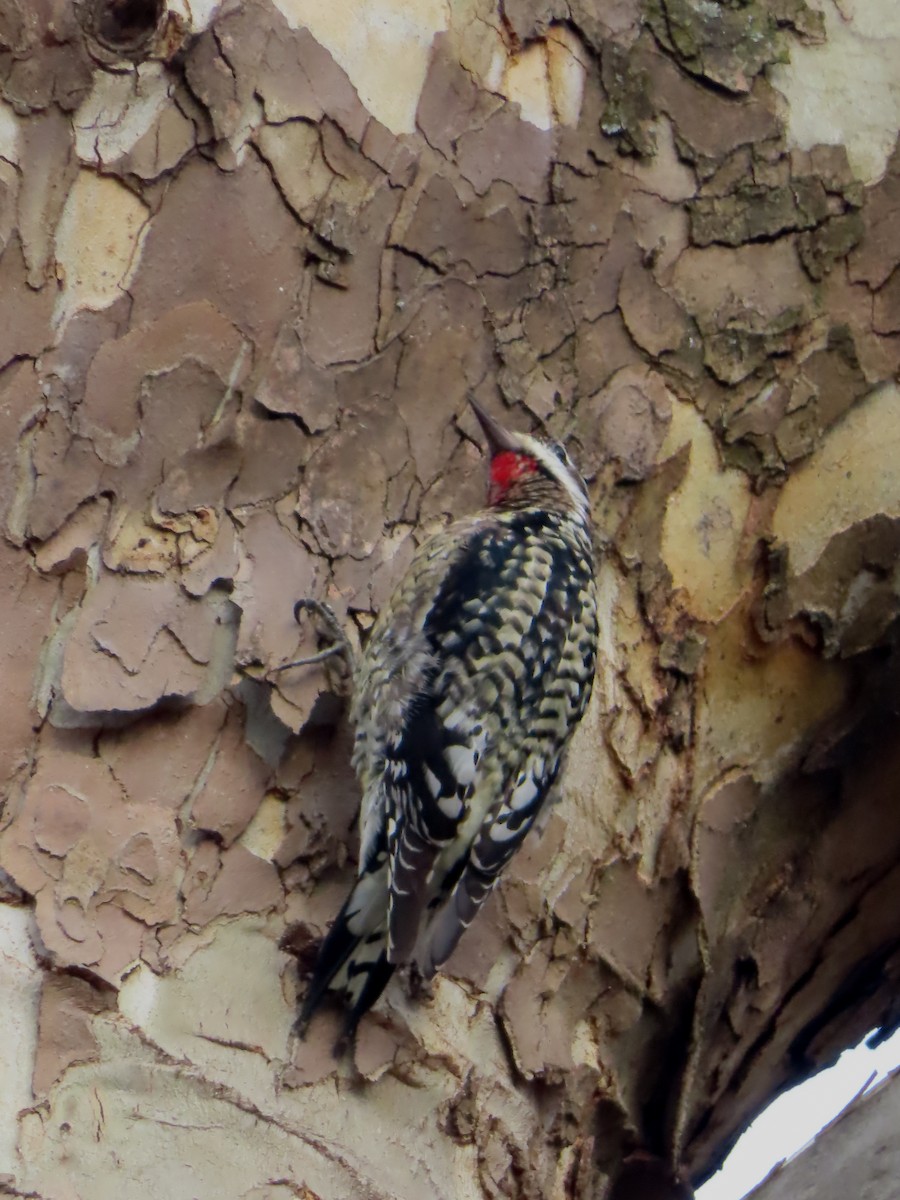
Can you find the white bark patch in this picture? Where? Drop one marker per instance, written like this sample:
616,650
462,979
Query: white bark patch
384,47
846,91
703,525
98,243
853,475
546,78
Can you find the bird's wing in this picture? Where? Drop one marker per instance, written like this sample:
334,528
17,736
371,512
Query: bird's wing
432,759
473,668
560,649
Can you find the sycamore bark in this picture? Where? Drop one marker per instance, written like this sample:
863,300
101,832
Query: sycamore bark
254,257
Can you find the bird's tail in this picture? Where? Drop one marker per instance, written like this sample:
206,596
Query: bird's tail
353,960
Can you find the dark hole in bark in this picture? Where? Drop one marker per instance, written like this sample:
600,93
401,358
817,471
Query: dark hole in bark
124,23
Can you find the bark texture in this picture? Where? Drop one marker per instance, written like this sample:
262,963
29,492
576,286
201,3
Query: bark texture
855,1155
254,257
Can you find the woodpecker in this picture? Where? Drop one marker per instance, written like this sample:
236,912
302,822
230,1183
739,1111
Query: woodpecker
473,679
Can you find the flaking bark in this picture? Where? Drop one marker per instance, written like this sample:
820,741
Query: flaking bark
250,271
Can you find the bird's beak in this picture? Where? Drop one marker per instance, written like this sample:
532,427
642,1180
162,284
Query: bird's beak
498,438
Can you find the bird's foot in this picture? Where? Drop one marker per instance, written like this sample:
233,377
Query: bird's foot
335,643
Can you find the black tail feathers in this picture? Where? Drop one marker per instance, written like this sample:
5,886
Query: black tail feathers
351,962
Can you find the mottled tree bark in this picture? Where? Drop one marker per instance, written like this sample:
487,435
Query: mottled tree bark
254,256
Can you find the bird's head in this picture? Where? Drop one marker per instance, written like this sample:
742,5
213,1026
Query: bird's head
526,470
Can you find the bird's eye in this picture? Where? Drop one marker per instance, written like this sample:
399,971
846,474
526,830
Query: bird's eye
559,451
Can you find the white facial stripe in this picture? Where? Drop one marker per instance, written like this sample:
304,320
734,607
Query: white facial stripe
559,470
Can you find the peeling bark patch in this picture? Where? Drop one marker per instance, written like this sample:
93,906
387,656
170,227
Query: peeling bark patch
98,242
124,374
851,478
704,524
879,256
387,31
731,46
43,63
860,106
509,149
129,124
64,1028
27,332
228,883
253,275
72,844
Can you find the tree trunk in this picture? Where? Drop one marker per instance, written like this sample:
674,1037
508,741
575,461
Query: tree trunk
255,256
855,1155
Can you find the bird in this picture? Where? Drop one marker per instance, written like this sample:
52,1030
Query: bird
474,677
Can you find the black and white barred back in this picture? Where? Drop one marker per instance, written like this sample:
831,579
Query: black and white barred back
473,679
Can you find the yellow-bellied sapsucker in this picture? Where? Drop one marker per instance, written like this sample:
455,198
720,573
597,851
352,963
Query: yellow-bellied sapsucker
472,681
